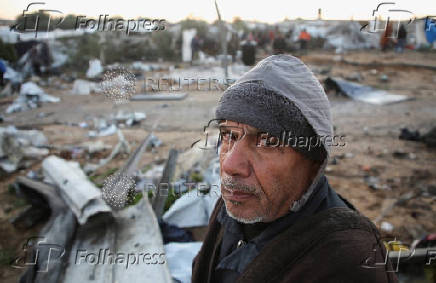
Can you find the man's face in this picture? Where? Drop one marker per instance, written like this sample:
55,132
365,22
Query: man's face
259,183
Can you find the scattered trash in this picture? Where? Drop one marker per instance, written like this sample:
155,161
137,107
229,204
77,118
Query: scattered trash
138,65
372,182
386,227
429,138
363,93
130,118
400,200
409,135
108,131
122,146
401,154
384,78
30,97
94,69
345,155
83,87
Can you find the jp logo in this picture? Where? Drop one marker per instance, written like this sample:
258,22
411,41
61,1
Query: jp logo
31,19
38,253
398,253
382,19
212,136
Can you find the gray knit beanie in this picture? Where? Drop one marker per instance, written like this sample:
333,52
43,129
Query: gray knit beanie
252,103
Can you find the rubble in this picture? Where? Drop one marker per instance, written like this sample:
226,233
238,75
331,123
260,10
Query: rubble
120,147
131,230
104,131
30,97
19,147
130,118
77,191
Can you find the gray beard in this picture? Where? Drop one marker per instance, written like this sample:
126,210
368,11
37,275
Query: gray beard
240,219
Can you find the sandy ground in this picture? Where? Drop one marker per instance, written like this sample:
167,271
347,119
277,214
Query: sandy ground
371,136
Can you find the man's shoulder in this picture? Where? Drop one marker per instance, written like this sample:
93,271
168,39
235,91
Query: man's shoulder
335,242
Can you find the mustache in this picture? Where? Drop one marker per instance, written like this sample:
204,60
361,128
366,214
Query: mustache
234,185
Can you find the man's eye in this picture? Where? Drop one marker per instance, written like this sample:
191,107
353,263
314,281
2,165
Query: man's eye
228,135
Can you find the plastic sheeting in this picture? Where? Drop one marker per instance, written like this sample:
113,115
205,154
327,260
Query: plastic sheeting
30,95
364,93
179,257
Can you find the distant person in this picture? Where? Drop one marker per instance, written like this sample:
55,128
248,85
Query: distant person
401,40
233,46
2,72
386,40
195,48
279,45
304,39
249,50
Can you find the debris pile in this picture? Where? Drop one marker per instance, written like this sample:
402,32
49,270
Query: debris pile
31,96
21,148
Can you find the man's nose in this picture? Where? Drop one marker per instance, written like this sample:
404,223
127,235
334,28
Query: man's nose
235,161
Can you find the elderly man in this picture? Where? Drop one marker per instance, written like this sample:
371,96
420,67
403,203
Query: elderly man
278,219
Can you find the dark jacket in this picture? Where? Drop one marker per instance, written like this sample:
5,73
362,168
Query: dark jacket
333,245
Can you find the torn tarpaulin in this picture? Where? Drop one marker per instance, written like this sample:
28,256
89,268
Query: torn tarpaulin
362,92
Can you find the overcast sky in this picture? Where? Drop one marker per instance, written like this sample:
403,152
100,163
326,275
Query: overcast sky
265,11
